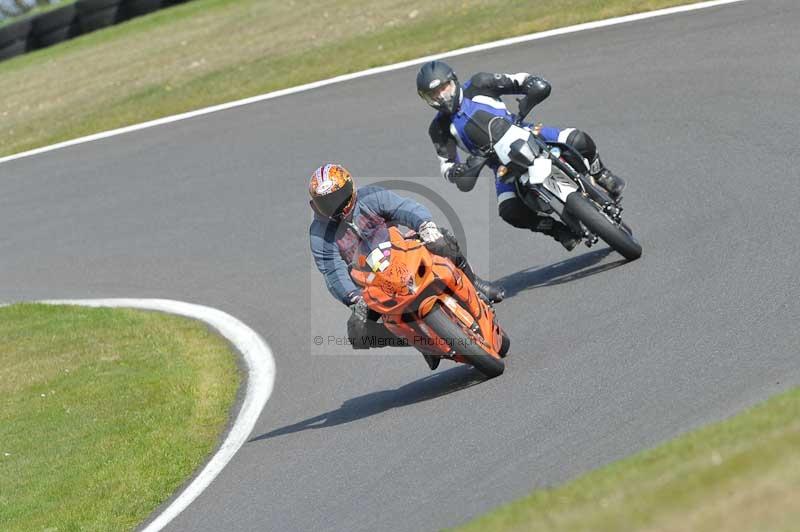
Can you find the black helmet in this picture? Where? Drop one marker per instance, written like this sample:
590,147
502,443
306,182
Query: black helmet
438,85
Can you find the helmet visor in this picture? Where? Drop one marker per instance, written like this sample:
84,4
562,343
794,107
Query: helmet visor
337,204
441,96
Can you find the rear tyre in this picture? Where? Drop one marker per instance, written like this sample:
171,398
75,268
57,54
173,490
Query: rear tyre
452,333
615,236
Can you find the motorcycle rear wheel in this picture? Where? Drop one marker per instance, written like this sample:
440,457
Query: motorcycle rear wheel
446,328
612,234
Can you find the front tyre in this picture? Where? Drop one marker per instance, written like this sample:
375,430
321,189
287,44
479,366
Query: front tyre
612,234
445,327
505,344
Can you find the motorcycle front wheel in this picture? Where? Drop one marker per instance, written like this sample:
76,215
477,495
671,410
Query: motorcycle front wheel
451,332
614,235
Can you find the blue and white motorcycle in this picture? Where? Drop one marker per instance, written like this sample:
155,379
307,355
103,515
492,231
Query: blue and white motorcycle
552,178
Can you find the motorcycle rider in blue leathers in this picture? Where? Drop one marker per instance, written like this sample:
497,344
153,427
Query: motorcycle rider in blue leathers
462,121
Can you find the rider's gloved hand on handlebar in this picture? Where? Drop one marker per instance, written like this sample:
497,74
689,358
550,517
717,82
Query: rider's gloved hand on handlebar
458,174
456,171
429,232
446,245
357,322
436,241
536,90
353,297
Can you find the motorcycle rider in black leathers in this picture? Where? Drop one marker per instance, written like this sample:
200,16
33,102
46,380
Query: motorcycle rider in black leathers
462,122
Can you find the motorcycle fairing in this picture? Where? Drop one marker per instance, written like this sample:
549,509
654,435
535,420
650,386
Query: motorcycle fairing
413,282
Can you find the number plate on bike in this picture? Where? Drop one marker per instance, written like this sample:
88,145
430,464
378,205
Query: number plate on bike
541,170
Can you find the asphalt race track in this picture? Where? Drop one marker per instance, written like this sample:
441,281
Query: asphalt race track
699,111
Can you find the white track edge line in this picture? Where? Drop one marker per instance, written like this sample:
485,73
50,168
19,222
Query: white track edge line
372,71
260,381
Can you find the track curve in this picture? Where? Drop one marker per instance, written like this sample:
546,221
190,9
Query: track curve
607,357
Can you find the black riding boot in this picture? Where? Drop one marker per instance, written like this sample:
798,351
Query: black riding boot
560,232
612,183
490,291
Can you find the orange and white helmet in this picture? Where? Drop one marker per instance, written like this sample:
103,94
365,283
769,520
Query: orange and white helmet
332,191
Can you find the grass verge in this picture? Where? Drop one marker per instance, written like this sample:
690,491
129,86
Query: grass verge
742,474
104,413
206,52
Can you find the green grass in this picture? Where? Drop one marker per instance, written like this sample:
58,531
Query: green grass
742,474
104,413
206,52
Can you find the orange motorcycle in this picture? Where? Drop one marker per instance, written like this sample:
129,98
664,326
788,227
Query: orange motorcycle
424,299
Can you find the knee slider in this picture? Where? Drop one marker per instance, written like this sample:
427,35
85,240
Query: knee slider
582,142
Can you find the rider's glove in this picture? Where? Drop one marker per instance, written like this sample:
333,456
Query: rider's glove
534,85
353,297
357,322
456,171
429,233
439,241
536,90
359,310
